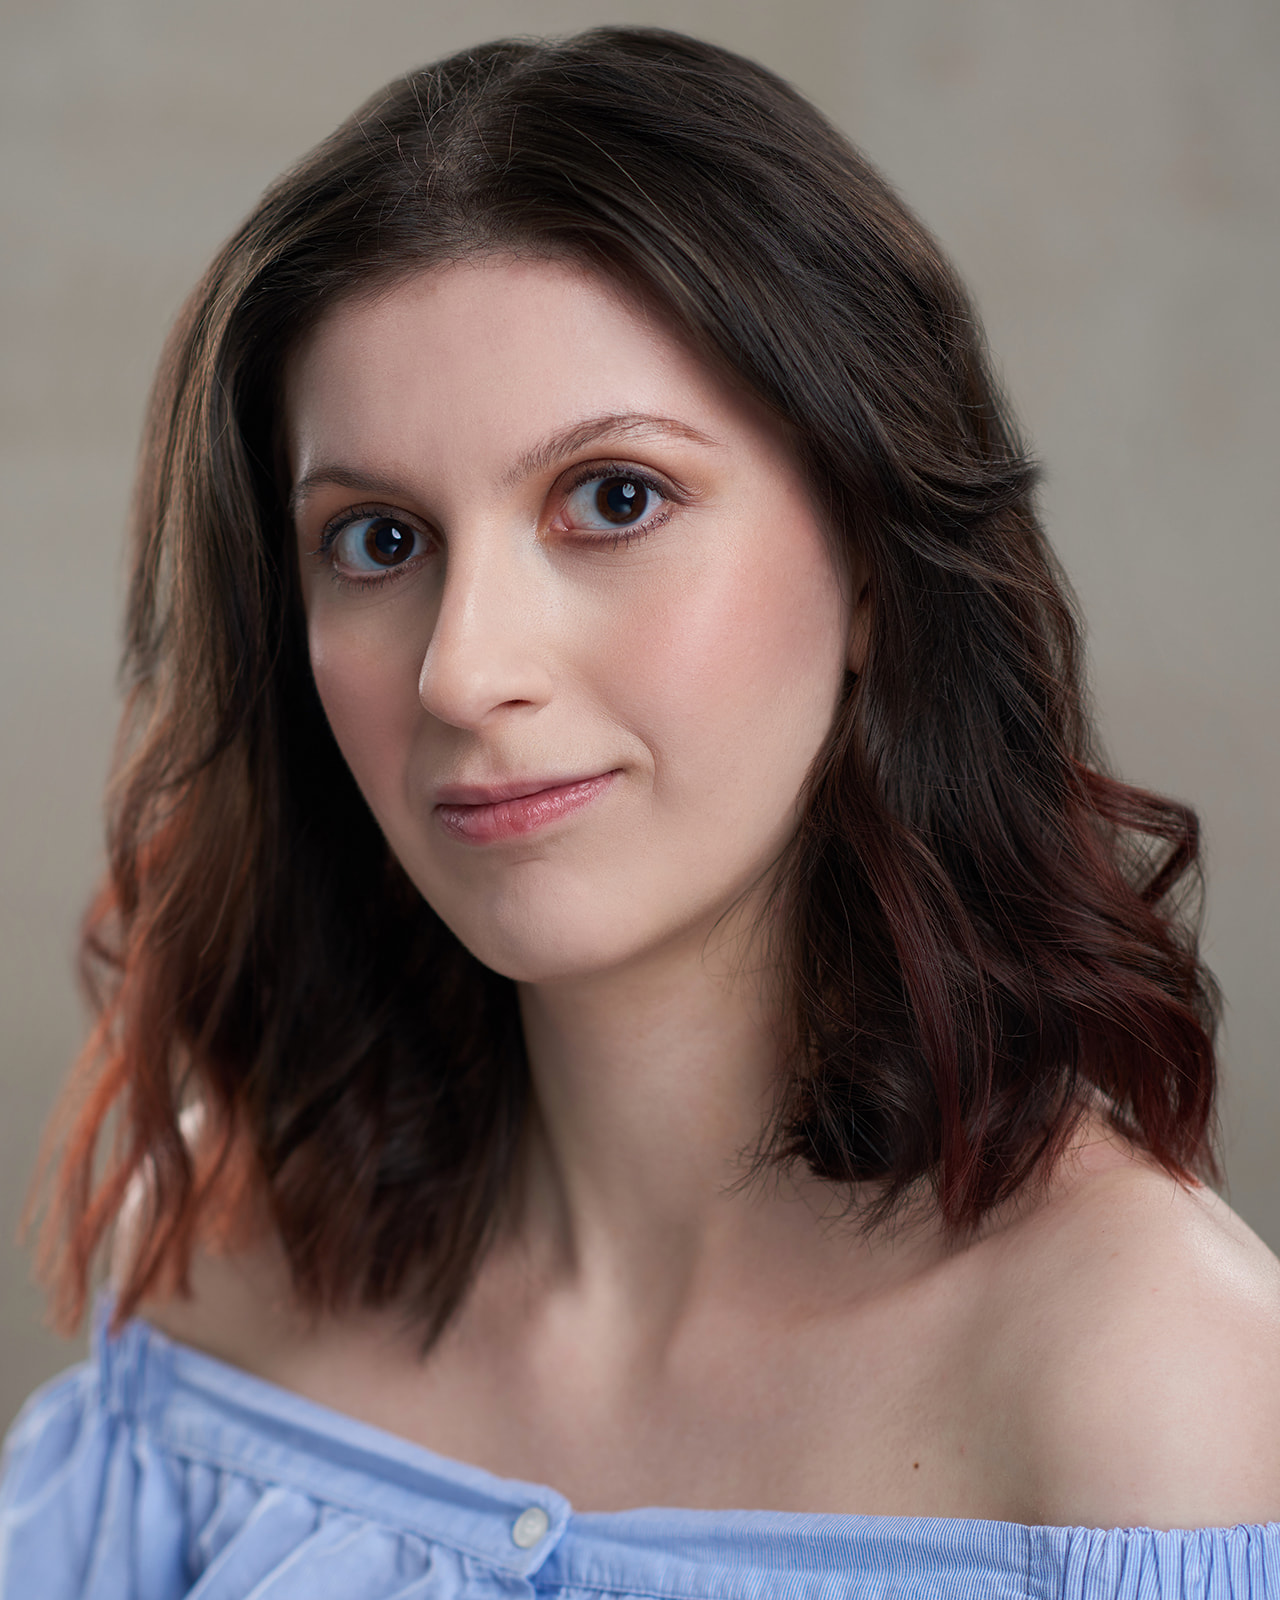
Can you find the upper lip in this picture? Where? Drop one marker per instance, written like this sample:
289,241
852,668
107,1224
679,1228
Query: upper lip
488,794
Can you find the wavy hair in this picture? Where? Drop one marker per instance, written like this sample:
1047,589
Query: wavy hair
980,928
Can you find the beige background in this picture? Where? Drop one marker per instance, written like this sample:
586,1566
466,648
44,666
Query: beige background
1106,174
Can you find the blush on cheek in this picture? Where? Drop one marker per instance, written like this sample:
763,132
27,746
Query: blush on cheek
760,637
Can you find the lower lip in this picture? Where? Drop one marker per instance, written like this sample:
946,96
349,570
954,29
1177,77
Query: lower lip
508,819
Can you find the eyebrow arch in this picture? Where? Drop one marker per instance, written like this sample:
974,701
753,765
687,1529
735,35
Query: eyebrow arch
344,478
576,436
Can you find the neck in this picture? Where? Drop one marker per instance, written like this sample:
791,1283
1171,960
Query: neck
652,1086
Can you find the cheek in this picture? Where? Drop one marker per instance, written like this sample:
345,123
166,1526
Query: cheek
367,678
743,666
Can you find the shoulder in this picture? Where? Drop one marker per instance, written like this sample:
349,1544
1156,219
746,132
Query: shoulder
235,1299
1134,1334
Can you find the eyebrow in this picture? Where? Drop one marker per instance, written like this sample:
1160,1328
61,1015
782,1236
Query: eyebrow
578,435
565,442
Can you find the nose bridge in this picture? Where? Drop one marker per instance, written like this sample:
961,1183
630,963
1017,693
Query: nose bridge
485,649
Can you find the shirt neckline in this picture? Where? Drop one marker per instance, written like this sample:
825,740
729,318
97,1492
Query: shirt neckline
167,1371
188,1368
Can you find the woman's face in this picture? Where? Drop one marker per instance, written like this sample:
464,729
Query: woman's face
547,552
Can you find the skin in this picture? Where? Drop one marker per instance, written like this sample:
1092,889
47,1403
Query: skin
645,1331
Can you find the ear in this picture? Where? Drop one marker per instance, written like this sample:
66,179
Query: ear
859,620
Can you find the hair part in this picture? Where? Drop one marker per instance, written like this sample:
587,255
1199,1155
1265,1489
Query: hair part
979,927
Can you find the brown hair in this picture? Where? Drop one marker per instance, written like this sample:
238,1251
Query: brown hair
979,925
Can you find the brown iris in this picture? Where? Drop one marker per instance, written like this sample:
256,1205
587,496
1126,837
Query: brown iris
621,499
386,542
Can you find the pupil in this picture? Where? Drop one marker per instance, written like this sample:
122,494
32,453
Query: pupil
385,542
620,499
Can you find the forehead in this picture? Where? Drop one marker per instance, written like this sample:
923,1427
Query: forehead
483,357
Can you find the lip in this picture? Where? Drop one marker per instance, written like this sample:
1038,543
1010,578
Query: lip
482,815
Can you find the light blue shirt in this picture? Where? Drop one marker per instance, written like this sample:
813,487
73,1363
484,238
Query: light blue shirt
153,1472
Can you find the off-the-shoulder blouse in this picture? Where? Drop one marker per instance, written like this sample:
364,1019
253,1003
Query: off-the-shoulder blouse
153,1472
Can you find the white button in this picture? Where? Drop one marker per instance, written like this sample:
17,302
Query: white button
530,1526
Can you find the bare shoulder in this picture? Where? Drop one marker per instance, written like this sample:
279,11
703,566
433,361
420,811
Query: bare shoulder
1135,1331
237,1303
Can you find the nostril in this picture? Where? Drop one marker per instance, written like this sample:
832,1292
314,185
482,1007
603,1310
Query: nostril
464,693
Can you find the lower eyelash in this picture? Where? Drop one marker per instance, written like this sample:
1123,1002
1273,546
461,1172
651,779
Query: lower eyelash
330,536
343,581
625,536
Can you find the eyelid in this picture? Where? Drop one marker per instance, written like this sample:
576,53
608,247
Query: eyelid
343,519
590,470
367,581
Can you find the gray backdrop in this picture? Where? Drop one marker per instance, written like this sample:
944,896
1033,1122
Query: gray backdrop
1105,173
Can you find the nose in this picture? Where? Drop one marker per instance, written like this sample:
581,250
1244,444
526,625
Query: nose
488,648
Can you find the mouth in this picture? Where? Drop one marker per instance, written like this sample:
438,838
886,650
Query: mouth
506,811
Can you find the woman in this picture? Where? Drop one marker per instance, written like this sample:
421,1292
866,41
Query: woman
621,982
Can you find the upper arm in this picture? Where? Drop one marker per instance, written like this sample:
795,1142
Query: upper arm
1152,1395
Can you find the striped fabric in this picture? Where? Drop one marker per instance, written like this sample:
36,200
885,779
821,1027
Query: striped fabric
154,1472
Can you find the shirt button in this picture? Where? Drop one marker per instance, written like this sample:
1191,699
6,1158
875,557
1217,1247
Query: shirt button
530,1526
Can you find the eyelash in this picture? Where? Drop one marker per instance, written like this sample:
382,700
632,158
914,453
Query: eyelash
334,529
621,469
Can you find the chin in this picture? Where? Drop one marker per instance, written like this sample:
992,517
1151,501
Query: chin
543,939
564,926
549,959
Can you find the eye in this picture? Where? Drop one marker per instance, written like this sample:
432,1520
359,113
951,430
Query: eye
372,543
613,500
